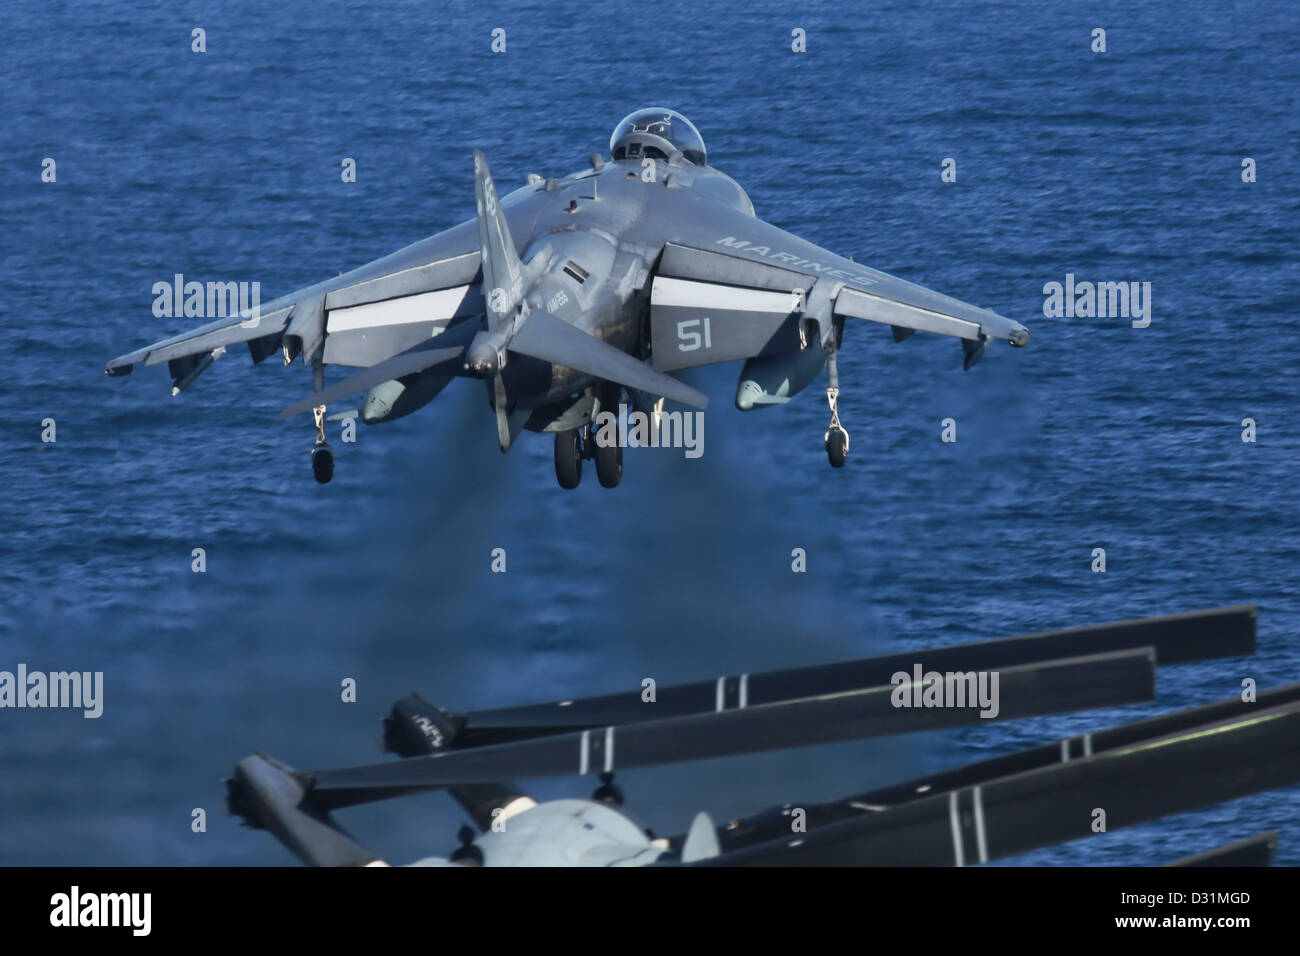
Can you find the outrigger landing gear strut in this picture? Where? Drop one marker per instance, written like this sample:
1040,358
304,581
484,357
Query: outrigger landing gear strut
836,437
322,456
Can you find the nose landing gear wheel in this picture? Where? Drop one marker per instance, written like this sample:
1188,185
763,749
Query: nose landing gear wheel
568,458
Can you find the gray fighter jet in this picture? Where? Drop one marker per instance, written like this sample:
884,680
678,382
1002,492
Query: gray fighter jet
557,294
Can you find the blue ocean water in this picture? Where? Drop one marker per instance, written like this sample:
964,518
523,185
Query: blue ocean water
1122,166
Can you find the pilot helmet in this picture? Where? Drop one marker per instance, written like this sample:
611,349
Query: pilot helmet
656,133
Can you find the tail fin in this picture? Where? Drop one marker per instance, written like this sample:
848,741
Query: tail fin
701,841
503,272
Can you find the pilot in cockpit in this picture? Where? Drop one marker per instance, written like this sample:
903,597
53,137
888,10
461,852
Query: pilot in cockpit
657,134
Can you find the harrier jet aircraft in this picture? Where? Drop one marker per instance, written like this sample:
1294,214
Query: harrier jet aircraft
555,295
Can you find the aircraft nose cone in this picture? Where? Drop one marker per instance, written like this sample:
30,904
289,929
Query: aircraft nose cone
481,360
748,395
374,410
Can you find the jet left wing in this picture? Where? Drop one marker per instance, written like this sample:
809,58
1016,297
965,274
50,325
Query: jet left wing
740,288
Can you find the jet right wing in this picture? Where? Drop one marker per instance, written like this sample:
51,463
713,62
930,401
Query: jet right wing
738,287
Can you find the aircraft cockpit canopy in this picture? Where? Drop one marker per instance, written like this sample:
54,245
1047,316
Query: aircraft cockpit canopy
655,133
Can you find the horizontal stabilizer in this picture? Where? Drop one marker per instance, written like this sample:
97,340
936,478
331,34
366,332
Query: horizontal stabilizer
408,363
553,340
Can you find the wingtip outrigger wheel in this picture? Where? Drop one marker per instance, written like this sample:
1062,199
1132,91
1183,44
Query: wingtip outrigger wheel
322,456
836,437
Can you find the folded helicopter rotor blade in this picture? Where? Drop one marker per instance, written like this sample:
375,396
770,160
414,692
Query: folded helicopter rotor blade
415,727
547,337
1162,776
1053,687
1177,638
773,822
269,795
1252,851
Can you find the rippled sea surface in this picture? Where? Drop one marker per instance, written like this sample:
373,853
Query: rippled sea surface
1123,166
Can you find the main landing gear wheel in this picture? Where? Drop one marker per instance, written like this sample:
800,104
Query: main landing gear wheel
609,463
322,456
568,458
